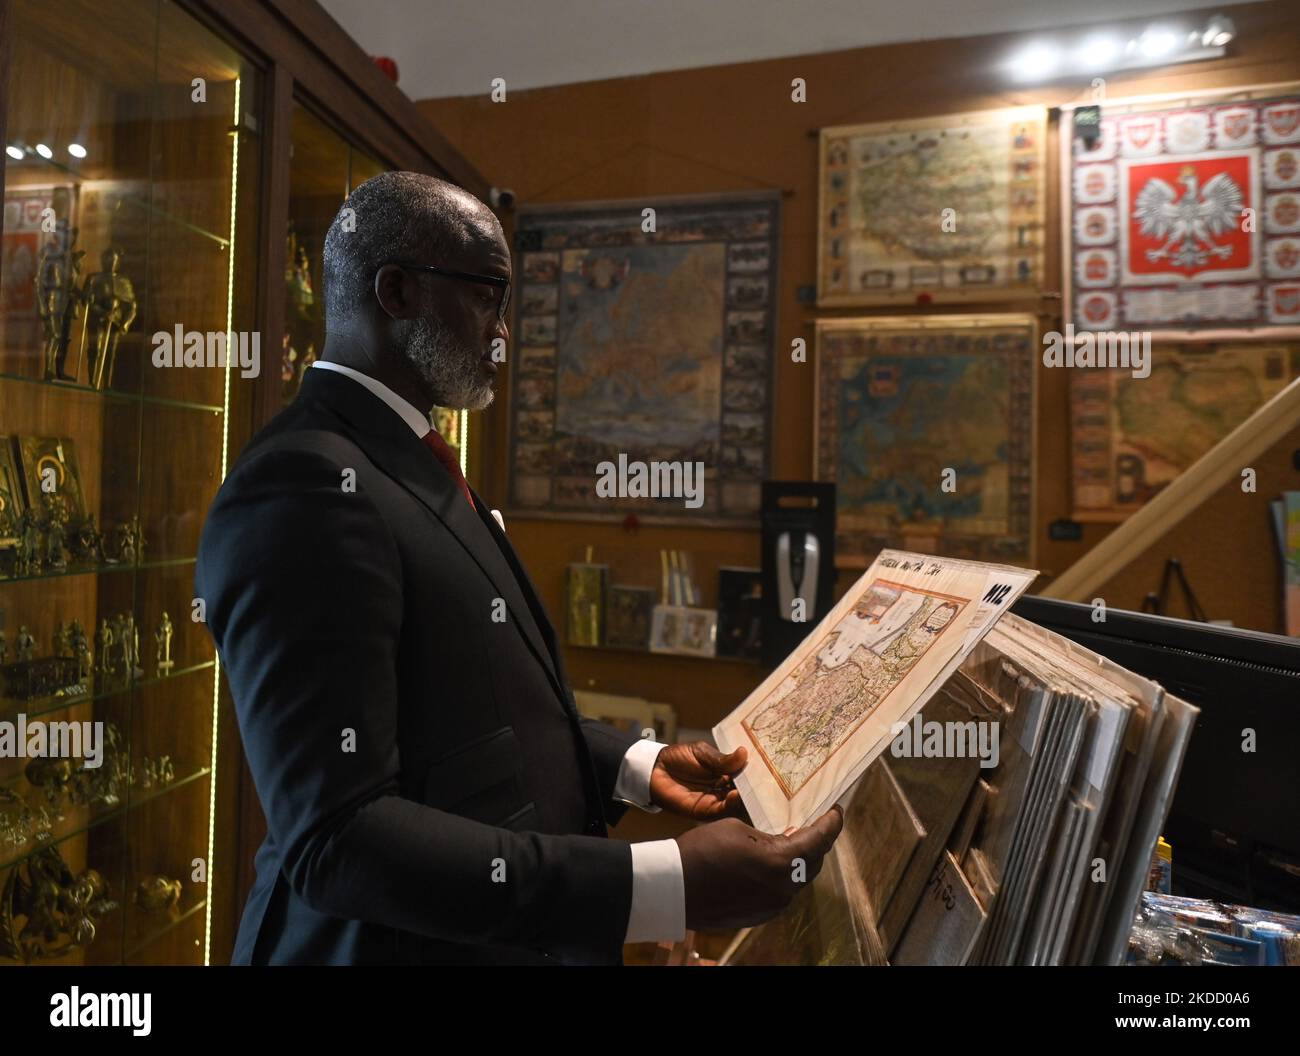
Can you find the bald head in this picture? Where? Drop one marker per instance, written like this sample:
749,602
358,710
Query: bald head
396,216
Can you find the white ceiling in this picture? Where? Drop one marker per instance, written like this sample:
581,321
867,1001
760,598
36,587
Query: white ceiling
456,47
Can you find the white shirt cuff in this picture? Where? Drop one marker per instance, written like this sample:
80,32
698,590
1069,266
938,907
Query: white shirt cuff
633,783
658,893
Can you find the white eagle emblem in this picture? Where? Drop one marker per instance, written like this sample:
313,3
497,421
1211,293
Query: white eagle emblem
1188,225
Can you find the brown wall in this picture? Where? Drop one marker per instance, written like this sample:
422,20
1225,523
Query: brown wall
730,128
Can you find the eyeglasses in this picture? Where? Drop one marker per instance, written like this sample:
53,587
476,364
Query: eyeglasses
467,276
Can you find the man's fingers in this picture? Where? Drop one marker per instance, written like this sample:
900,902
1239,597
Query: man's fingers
709,757
813,841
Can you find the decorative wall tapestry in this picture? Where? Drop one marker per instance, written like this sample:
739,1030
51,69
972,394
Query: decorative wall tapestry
1183,217
945,209
1129,437
651,345
903,400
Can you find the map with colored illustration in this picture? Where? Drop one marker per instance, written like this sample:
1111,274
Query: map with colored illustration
951,206
866,655
1132,436
927,437
641,369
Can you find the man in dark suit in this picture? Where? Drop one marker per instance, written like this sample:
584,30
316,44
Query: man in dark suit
431,794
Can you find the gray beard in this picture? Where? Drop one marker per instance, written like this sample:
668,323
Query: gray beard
451,372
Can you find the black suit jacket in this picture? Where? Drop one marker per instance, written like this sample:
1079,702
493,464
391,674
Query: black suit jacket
431,794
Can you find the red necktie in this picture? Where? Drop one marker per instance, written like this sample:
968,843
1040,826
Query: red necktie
447,457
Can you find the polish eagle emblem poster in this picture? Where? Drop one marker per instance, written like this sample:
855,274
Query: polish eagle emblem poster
1183,216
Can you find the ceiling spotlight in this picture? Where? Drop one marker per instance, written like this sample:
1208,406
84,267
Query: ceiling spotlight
1037,61
1218,32
1097,52
44,151
1157,43
15,152
76,150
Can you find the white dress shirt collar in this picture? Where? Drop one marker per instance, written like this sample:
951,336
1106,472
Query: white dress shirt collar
418,422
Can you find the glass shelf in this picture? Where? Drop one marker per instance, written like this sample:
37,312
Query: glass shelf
154,934
96,570
115,394
46,706
93,817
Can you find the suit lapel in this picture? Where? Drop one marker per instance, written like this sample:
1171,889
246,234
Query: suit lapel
540,619
396,450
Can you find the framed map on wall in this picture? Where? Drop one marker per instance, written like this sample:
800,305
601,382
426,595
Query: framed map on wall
1129,437
643,342
926,426
1182,216
944,209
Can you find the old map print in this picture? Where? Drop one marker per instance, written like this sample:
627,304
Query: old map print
1130,437
903,401
818,720
869,651
950,208
654,343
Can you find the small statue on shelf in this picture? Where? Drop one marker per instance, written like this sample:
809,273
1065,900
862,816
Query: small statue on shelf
136,670
127,636
57,275
120,664
110,310
25,646
4,649
163,637
87,544
58,908
62,640
54,546
79,648
128,542
104,643
28,561
51,776
157,894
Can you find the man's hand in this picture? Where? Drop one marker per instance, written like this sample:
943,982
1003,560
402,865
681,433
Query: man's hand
695,780
736,876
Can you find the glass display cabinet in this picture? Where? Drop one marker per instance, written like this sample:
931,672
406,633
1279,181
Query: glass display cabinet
128,288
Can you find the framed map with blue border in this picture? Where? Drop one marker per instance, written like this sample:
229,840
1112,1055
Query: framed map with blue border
645,330
926,426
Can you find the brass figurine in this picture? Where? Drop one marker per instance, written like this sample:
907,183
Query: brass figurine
158,894
163,637
110,310
25,646
58,299
28,559
104,642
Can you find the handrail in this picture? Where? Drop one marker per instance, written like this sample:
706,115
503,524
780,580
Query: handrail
1222,463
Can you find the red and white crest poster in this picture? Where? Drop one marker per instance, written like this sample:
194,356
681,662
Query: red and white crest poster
1185,225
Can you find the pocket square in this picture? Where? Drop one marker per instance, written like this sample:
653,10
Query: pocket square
501,523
